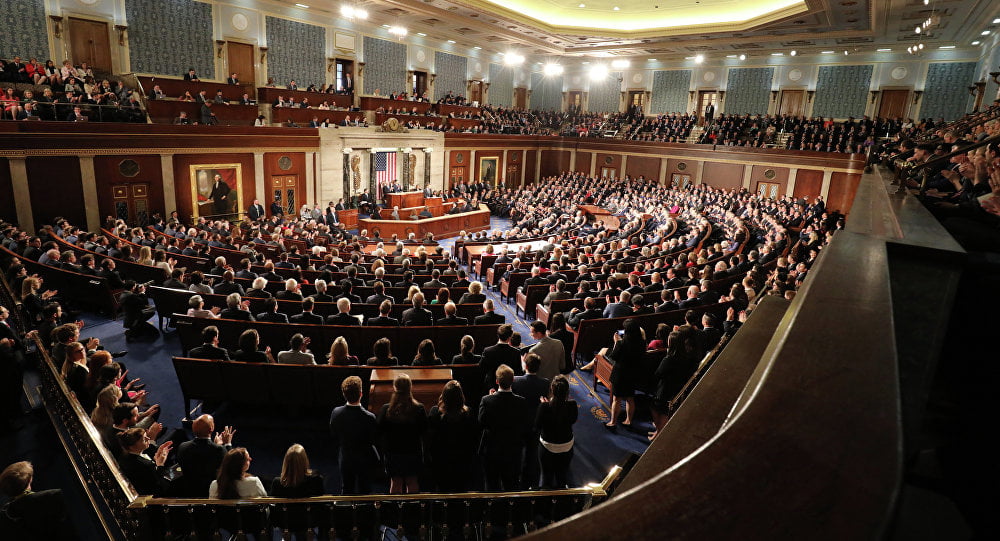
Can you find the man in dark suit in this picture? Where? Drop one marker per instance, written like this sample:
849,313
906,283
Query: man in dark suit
532,387
271,313
709,336
622,308
233,79
220,195
256,210
354,429
435,281
668,303
709,113
236,308
692,299
191,75
379,294
307,315
383,319
503,416
501,353
200,457
343,315
489,317
147,476
210,347
418,315
450,318
30,514
228,284
136,312
590,311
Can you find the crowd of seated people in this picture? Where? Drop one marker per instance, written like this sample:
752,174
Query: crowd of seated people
68,93
816,134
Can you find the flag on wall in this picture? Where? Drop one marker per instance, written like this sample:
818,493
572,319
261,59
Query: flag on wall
385,170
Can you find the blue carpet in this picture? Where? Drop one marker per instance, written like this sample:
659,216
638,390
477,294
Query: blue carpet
268,433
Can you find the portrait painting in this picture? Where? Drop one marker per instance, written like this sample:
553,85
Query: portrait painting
216,190
488,170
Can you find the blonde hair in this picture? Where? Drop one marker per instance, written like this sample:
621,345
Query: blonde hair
145,256
107,399
339,350
295,467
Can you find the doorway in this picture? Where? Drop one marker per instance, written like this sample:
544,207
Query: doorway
476,93
520,98
706,98
679,181
457,176
90,42
792,103
574,101
131,203
894,104
419,83
240,59
609,172
637,101
768,189
283,190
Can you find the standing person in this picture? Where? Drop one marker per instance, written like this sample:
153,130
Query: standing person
626,355
503,416
354,428
451,440
554,425
533,388
402,422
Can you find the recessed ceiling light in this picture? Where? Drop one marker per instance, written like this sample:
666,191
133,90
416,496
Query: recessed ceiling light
616,8
303,6
398,31
731,56
976,42
421,34
996,21
552,69
688,58
826,52
777,54
743,57
985,32
884,50
699,58
946,47
794,52
478,48
585,63
385,26
451,41
582,5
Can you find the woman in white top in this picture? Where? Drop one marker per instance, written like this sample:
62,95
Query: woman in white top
234,482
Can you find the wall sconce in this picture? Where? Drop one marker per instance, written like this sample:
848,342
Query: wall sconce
774,95
874,94
995,75
690,95
56,25
348,150
263,54
121,28
722,95
916,96
809,95
220,44
981,86
361,68
430,78
428,150
972,90
330,63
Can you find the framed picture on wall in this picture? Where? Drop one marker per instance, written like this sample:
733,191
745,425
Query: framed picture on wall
216,190
488,170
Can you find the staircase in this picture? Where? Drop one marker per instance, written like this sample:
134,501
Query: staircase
695,135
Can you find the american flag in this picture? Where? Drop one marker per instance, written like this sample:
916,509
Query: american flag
385,170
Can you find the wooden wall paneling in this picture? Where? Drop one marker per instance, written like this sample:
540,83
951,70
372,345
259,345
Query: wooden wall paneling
778,175
843,186
529,167
583,162
272,167
111,172
645,166
8,211
480,154
728,176
808,183
513,168
56,189
182,177
554,162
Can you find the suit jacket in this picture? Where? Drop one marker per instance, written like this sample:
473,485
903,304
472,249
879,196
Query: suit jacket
617,309
295,357
342,319
354,428
417,316
208,351
307,317
553,356
199,459
272,317
489,318
531,387
575,319
494,356
144,474
504,418
237,314
377,299
453,321
255,212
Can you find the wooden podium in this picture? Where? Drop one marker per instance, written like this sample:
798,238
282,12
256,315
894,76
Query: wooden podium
406,199
427,385
348,217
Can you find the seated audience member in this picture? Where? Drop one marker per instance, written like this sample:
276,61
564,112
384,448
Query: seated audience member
378,288
354,430
297,480
29,514
450,318
402,423
236,308
673,372
467,347
321,294
234,481
489,317
198,284
297,352
426,356
257,290
443,296
590,311
271,313
622,308
417,315
452,437
382,354
209,349
340,354
136,312
249,351
474,295
147,475
343,315
503,418
200,457
659,340
383,319
197,308
291,291
306,315
554,425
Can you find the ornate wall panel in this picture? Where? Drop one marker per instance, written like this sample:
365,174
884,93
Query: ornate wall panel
945,95
670,91
501,91
385,66
842,91
451,71
749,90
546,92
166,37
295,51
605,94
23,30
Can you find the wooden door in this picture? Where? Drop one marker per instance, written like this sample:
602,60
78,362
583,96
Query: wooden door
609,172
768,189
457,176
284,193
131,202
476,93
792,102
636,98
680,181
241,62
521,98
706,98
90,42
895,104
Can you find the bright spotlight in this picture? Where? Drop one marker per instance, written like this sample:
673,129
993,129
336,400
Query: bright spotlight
699,58
552,69
513,59
598,72
620,64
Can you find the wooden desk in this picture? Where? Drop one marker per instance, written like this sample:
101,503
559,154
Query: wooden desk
604,216
405,213
427,385
302,117
175,87
406,199
165,111
348,217
270,95
371,103
443,227
423,120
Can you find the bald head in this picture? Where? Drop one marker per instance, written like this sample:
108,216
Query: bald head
203,426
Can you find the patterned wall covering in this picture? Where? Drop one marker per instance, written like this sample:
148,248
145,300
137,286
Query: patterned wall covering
24,35
945,95
385,66
546,92
295,51
992,61
501,92
452,72
606,94
748,90
167,37
670,91
842,91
